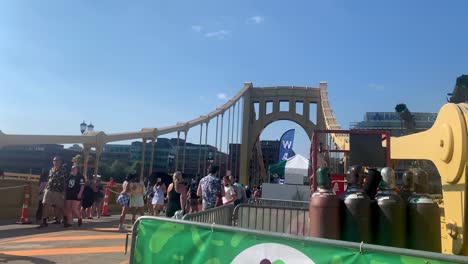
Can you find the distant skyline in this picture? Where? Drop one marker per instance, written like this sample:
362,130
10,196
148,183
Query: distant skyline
127,65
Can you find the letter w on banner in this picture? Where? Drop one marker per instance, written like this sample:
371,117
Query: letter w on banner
286,144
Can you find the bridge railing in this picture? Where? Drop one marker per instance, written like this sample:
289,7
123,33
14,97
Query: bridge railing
21,176
219,215
278,202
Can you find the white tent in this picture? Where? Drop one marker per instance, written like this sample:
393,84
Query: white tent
296,170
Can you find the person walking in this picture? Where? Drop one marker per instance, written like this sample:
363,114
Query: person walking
230,194
87,199
42,185
137,203
74,191
54,191
98,197
157,201
176,195
192,196
124,200
209,187
241,195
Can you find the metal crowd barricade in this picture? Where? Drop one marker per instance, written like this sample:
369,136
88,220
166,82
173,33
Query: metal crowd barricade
280,219
219,215
278,202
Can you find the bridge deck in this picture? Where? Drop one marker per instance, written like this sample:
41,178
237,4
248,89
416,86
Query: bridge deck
96,241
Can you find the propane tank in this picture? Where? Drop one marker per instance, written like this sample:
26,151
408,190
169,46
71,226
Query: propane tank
355,209
423,217
324,208
390,211
407,187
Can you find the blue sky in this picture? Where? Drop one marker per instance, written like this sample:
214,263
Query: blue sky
124,65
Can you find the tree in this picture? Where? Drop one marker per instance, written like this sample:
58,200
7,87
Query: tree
105,171
118,171
136,167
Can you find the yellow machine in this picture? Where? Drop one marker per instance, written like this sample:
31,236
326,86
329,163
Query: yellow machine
446,145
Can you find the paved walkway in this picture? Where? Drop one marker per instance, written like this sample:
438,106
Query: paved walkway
96,241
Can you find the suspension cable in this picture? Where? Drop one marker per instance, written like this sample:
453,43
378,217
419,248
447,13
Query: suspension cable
232,140
177,153
221,140
237,141
143,150
152,158
227,140
199,148
185,147
216,140
206,146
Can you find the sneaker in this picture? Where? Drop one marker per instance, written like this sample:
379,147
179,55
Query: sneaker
122,228
44,224
80,222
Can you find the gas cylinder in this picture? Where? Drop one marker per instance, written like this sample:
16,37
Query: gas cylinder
324,208
407,187
390,212
423,217
355,209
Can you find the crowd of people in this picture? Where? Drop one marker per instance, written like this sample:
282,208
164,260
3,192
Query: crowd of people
180,197
69,194
72,196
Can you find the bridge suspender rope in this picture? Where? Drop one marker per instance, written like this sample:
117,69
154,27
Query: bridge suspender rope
185,147
142,167
236,168
177,153
199,148
206,147
232,138
152,158
221,140
216,141
227,139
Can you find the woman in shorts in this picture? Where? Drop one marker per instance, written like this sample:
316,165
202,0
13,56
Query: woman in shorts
159,190
124,200
137,203
74,190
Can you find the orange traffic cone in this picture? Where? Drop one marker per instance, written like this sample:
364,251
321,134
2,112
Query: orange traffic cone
26,201
106,203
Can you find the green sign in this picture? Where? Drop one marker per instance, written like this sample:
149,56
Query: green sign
160,241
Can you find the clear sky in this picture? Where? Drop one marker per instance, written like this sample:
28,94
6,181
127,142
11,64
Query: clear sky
124,65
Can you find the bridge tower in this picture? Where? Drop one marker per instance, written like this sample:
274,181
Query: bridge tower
288,97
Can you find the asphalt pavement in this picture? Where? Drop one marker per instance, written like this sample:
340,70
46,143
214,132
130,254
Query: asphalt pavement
96,241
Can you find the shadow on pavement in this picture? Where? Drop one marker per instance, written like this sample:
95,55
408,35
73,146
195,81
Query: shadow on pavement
105,224
4,258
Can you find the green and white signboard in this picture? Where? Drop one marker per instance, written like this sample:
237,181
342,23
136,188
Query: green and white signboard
168,241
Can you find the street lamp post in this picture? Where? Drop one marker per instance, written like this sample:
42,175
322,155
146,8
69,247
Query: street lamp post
83,127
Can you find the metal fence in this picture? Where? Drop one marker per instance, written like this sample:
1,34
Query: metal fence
285,220
278,202
220,215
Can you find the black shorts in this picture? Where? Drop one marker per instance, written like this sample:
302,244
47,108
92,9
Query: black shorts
72,196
